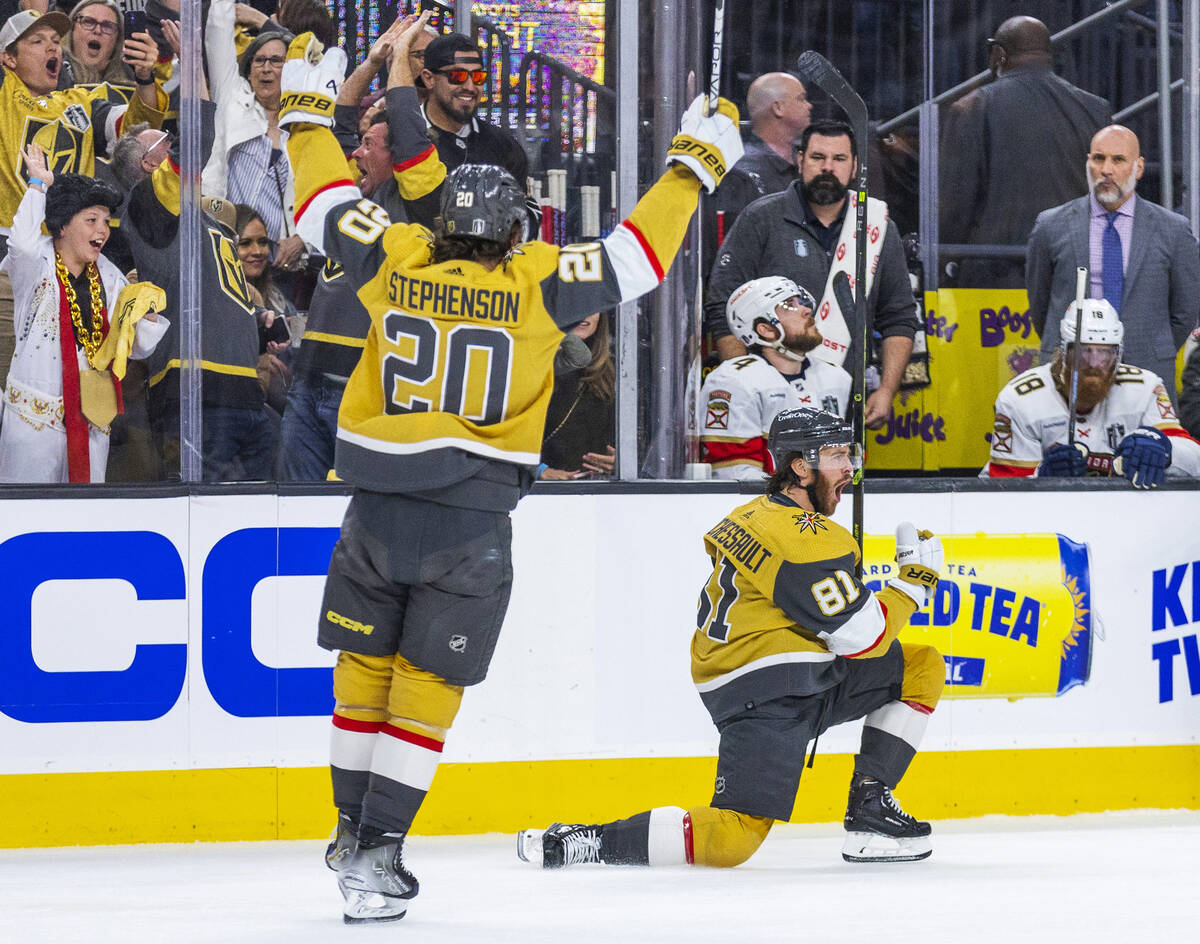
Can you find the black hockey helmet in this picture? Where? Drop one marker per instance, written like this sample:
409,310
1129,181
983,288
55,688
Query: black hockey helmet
805,430
483,201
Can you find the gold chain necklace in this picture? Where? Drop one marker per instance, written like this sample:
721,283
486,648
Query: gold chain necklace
93,338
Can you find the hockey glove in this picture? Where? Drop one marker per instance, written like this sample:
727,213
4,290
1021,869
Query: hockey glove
1063,460
708,145
310,82
1143,457
920,556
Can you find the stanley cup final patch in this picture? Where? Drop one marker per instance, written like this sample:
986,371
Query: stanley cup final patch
77,117
716,416
801,248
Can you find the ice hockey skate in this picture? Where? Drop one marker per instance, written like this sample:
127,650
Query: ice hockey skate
878,829
342,843
375,884
559,845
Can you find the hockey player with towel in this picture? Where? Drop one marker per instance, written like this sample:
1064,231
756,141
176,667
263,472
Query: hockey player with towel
1125,423
773,318
788,643
440,429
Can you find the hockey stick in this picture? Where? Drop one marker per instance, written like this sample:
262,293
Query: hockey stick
1081,275
718,47
815,68
710,107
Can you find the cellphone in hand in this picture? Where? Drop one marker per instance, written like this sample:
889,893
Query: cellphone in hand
135,22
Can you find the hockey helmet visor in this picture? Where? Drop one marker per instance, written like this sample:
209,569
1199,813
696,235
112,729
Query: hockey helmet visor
754,303
821,438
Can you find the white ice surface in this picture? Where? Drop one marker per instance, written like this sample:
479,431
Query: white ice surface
1130,878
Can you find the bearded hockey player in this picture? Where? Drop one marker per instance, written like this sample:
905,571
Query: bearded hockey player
773,317
1125,423
440,428
789,642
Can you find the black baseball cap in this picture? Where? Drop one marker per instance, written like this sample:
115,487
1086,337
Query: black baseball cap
441,52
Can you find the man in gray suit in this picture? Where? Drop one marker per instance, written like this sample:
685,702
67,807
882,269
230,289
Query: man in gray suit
1141,257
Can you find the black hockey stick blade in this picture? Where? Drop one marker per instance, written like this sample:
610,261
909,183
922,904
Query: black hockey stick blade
842,292
813,66
845,299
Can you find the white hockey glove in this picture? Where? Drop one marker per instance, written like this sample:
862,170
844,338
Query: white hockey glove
708,145
920,556
310,82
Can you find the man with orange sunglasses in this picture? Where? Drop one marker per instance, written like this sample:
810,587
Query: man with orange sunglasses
456,79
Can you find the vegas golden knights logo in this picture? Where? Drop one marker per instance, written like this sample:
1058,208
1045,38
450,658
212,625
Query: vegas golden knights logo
62,144
229,270
333,270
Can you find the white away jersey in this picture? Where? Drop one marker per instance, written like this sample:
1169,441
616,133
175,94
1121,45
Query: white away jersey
742,396
1031,416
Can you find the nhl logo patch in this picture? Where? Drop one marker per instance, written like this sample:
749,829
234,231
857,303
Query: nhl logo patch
719,786
458,643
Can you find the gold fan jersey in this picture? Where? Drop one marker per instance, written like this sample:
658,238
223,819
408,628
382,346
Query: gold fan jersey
70,125
457,369
1031,416
782,606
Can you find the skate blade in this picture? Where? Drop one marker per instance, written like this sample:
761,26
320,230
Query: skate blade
371,908
872,847
529,845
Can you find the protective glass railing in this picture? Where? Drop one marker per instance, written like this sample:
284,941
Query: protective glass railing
263,329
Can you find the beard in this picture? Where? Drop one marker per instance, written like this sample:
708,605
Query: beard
824,495
824,190
1094,383
803,342
1110,197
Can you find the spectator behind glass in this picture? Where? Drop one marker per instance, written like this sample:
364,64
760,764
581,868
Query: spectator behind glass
1012,149
248,164
450,108
95,45
579,420
59,402
1141,257
292,16
32,58
137,153
779,112
254,249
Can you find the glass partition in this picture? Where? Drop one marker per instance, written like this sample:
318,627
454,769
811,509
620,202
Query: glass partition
242,377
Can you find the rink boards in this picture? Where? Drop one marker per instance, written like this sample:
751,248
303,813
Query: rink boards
159,678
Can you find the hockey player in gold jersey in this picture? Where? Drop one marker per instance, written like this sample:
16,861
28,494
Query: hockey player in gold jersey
440,428
789,642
